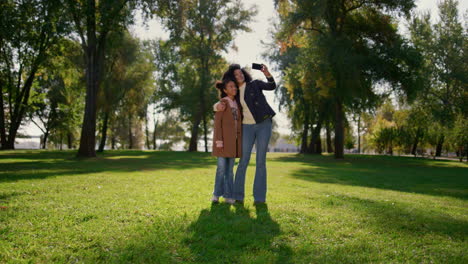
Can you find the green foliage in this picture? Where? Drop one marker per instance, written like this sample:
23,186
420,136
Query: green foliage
349,139
57,98
443,45
349,48
28,30
412,130
191,62
128,82
458,138
94,21
128,78
170,132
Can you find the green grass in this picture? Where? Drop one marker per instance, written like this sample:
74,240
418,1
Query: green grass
153,207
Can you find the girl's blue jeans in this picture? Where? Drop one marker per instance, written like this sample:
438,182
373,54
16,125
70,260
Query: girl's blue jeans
224,177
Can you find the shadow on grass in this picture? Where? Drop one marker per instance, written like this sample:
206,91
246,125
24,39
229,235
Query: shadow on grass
21,165
390,217
442,178
220,235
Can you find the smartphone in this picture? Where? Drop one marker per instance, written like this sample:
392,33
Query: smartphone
256,66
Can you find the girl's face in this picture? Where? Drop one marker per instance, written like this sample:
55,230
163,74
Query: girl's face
240,79
231,89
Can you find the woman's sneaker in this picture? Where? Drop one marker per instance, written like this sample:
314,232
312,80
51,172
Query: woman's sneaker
230,201
215,199
240,202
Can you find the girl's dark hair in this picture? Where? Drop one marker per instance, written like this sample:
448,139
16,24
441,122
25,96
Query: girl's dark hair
221,85
230,73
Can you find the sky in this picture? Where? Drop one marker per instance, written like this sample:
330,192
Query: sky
249,46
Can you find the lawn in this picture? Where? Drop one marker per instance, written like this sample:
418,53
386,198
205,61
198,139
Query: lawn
153,207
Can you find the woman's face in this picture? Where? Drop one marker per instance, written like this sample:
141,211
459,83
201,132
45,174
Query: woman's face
231,89
240,79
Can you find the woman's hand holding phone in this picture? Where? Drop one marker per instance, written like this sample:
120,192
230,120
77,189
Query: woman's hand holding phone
265,71
261,67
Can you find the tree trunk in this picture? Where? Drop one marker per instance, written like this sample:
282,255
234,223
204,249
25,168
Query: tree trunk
9,144
439,146
154,134
311,147
193,146
154,129
3,139
21,104
113,141
88,137
105,122
318,138
329,141
414,148
50,124
359,134
316,143
44,141
94,53
204,85
305,134
61,142
205,130
130,137
460,153
22,98
147,133
339,129
70,140
465,152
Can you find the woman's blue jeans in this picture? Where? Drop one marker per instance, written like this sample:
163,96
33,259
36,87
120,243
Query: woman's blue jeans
258,134
224,177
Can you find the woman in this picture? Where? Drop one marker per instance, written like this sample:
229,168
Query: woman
256,128
226,140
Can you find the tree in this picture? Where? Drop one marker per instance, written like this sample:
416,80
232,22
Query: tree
358,46
127,81
94,21
28,30
304,90
444,48
459,138
349,138
416,125
55,103
201,31
359,107
384,129
170,131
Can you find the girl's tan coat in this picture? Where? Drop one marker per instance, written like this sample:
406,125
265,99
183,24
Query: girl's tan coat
227,131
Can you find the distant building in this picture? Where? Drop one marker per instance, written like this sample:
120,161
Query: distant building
283,146
31,142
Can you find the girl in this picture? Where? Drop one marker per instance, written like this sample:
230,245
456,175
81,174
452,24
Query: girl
226,140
